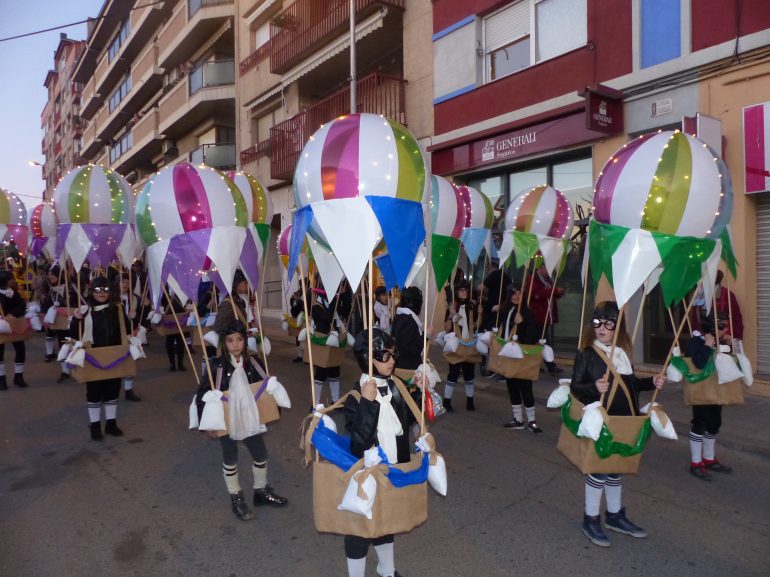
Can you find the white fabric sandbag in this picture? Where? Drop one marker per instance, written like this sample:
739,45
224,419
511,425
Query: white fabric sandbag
482,347
484,337
211,318
50,316
64,351
194,422
660,422
746,369
359,497
302,335
141,332
592,421
156,318
300,320
672,373
327,420
560,394
191,321
33,307
451,343
266,346
275,388
547,353
351,339
212,338
213,417
284,325
251,344
440,339
5,328
437,475
35,322
511,350
135,348
430,372
727,370
333,340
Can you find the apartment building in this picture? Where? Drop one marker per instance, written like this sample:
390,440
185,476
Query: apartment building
60,120
159,86
293,76
535,91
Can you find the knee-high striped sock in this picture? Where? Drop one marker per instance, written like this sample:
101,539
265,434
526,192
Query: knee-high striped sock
593,495
18,368
94,412
334,387
64,368
449,390
530,414
517,413
469,389
319,387
128,383
49,346
260,474
111,409
386,563
230,473
696,448
709,447
613,488
356,567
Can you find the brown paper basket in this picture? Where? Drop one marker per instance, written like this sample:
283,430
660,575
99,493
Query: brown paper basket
266,405
105,356
21,330
62,322
324,356
526,368
580,451
709,391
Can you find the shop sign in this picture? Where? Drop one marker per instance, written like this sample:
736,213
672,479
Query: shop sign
756,147
604,111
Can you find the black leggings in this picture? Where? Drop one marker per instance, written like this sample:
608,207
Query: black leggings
175,348
102,391
468,370
255,444
21,352
323,373
357,547
706,419
520,389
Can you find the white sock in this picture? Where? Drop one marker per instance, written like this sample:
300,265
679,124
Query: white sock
517,413
94,412
593,491
319,387
231,478
49,345
64,368
260,474
612,492
334,386
530,413
18,368
356,567
128,383
696,448
469,389
709,447
110,409
449,390
386,564
299,352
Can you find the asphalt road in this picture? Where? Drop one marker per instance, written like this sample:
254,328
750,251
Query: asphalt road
153,503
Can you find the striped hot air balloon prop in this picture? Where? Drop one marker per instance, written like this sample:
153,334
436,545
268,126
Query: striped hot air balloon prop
42,225
13,219
479,217
362,178
539,219
192,218
448,217
659,203
92,205
259,206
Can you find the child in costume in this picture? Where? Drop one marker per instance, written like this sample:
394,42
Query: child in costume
588,386
325,319
233,371
461,314
381,418
514,315
56,295
706,419
407,329
381,309
100,326
12,303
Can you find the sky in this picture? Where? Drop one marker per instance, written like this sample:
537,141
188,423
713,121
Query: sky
24,64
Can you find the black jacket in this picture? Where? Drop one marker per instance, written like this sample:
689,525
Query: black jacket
698,351
106,326
323,316
409,341
589,368
52,297
15,305
227,372
526,330
361,422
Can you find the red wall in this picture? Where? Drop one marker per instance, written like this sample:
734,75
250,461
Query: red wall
708,29
608,55
447,12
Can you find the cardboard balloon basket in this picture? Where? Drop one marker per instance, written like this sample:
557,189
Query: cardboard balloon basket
581,452
20,330
527,368
324,356
167,326
196,337
266,405
104,357
464,354
709,391
62,322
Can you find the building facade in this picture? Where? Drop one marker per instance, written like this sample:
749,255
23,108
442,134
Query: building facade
293,76
61,121
544,91
159,86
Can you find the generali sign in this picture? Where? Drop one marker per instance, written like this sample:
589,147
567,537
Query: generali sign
604,113
503,147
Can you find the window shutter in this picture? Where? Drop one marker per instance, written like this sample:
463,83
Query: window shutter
507,25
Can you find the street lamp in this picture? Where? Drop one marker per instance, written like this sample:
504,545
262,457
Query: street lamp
34,163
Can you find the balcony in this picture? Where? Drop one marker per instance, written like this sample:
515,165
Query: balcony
91,99
211,74
193,25
194,5
306,25
376,93
220,156
252,60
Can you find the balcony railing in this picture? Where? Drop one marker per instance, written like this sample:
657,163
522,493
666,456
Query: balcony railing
307,24
253,59
209,74
194,5
376,93
221,156
255,152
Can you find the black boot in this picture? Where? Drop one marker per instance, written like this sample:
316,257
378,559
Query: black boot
96,431
132,396
592,528
18,380
620,523
469,405
3,383
240,508
180,362
63,378
49,358
448,405
111,428
267,497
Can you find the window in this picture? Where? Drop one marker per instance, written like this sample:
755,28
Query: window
661,30
531,31
120,147
120,92
117,42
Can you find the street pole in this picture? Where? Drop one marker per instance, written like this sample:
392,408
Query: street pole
352,56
